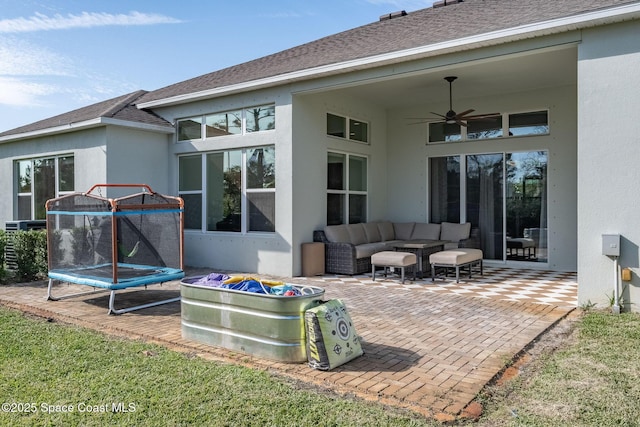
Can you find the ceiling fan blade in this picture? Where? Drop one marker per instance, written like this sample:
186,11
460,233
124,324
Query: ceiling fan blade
464,113
438,114
461,123
483,116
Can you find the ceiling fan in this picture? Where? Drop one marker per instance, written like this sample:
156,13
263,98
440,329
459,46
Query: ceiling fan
451,117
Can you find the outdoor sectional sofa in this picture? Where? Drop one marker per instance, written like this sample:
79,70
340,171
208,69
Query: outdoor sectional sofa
348,247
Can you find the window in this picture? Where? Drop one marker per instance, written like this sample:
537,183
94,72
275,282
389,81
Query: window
535,123
190,189
236,187
336,126
260,118
356,130
490,127
190,129
444,132
261,184
38,180
520,124
224,123
346,189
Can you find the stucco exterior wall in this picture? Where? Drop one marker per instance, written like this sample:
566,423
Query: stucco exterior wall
265,253
608,153
87,146
311,145
138,157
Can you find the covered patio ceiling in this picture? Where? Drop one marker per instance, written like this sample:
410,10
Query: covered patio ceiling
505,74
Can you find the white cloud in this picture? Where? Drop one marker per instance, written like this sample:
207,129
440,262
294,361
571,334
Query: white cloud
18,57
41,22
34,76
21,93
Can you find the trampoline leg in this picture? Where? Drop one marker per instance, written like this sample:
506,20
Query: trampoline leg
112,297
113,310
49,296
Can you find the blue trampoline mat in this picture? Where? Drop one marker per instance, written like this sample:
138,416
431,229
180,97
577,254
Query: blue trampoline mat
129,275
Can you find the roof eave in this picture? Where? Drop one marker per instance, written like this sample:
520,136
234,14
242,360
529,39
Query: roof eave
572,23
86,124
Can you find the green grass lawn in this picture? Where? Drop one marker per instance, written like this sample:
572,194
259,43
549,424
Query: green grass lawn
53,374
48,368
591,379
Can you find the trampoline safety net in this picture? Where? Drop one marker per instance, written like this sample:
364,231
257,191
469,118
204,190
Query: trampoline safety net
103,238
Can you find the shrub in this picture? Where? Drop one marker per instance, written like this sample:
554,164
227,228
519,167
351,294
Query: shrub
3,245
30,248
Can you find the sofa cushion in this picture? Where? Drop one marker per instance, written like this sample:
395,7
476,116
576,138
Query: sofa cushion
337,233
367,249
356,234
403,230
372,232
425,231
455,232
450,245
386,231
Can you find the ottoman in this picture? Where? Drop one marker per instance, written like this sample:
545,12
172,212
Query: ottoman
521,243
456,258
392,259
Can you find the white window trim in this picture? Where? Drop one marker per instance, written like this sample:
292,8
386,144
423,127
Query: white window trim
56,169
505,129
348,128
244,203
203,123
346,192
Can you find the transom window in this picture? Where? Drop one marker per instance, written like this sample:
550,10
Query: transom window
498,126
38,180
230,190
348,128
346,188
224,123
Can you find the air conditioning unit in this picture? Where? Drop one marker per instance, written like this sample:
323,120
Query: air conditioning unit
13,226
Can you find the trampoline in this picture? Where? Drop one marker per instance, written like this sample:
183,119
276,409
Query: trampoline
115,243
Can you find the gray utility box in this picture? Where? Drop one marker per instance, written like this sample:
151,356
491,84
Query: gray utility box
611,244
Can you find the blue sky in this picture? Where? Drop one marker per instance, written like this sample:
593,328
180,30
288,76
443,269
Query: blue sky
56,56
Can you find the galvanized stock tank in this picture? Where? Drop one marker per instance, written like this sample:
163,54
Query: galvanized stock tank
263,325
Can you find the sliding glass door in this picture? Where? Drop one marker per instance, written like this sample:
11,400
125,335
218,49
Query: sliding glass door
526,206
484,201
502,195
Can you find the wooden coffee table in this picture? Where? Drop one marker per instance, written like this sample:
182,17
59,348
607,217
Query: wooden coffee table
422,248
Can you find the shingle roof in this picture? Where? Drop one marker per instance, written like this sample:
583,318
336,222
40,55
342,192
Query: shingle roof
421,28
119,108
416,29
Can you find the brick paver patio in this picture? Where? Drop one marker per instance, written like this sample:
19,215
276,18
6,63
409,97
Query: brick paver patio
429,347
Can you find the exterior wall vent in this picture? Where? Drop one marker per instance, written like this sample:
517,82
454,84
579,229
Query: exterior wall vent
392,15
442,3
13,226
